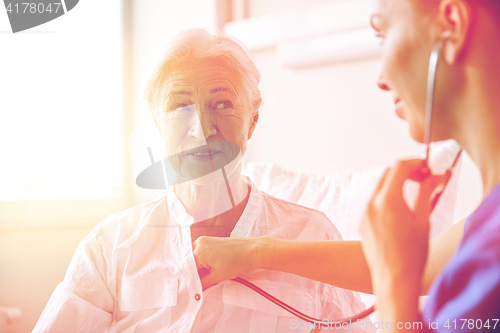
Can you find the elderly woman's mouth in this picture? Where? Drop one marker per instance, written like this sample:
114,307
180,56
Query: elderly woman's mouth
202,154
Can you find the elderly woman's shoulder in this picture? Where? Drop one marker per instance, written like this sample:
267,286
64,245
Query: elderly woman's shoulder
129,221
295,218
286,207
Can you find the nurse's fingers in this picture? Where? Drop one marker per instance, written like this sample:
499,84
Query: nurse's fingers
430,192
202,257
397,176
382,180
210,279
389,191
199,266
201,252
200,247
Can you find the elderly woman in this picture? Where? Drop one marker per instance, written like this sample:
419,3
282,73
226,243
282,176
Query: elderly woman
135,272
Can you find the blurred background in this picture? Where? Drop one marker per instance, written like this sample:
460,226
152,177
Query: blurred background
70,107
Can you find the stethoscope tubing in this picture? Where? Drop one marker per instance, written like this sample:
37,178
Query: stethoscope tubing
431,87
301,315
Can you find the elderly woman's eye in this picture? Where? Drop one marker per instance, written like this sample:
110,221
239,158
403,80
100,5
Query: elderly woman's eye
183,107
224,105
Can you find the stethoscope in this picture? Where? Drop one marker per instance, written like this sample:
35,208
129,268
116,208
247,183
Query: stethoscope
431,86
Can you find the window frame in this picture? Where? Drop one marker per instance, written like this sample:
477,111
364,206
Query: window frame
34,214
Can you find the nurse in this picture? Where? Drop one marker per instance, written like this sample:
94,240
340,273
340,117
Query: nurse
395,260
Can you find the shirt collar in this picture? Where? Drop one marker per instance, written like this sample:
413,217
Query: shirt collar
242,227
177,210
250,213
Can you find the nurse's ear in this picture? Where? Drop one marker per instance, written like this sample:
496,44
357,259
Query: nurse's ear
255,119
454,18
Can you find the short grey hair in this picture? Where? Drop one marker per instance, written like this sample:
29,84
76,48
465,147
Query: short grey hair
197,44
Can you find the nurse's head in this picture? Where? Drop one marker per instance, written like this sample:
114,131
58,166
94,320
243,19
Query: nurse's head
409,30
203,93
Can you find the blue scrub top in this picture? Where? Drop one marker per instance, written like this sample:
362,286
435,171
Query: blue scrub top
466,295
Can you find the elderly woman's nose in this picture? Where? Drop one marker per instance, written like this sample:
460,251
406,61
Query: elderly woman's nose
202,126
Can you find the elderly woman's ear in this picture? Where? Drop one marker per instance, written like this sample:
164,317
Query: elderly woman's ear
255,119
154,118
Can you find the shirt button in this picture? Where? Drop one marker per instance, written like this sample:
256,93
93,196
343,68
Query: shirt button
197,297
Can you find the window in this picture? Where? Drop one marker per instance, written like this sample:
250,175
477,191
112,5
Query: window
61,117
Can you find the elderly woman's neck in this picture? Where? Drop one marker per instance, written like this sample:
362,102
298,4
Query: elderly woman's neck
204,202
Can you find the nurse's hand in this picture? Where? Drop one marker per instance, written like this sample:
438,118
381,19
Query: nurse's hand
395,238
224,258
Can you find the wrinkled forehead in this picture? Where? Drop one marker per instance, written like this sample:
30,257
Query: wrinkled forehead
202,76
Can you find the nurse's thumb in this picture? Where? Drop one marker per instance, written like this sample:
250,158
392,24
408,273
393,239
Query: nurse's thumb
209,280
430,192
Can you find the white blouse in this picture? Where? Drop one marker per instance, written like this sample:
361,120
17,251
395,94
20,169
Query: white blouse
135,272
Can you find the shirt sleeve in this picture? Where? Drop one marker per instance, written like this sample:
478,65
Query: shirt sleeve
82,302
319,227
66,312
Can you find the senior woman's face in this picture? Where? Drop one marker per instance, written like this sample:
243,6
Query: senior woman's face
205,105
407,45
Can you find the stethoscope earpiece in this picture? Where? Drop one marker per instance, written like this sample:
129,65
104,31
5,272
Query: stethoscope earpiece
445,35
